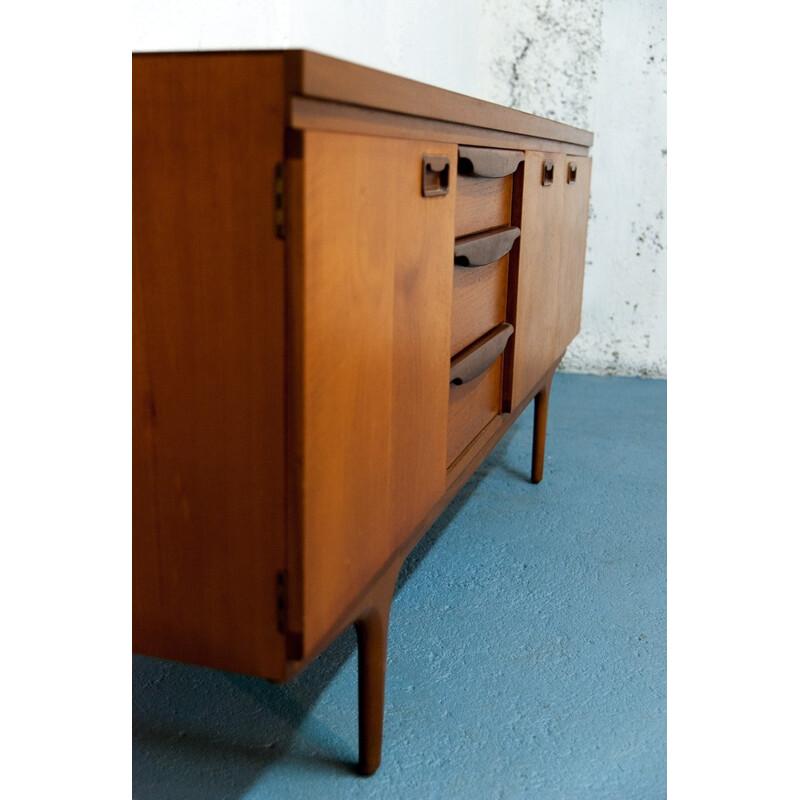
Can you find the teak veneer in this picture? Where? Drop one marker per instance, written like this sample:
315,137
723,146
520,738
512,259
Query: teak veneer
347,286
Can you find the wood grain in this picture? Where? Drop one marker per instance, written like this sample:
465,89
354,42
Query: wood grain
322,115
548,284
208,341
479,302
482,203
575,219
318,76
376,285
472,407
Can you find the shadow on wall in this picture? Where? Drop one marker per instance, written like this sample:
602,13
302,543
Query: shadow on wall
205,734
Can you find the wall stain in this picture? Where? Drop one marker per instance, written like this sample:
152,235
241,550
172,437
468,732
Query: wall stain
561,59
515,81
554,55
647,238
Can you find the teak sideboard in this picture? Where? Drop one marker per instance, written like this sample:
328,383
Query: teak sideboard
346,287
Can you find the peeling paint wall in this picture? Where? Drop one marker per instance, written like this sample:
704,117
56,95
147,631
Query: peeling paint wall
597,64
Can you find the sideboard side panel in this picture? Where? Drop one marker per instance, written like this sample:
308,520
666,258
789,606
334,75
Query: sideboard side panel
376,281
208,424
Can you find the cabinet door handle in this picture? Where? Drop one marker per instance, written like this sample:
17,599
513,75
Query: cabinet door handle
483,162
435,175
478,357
572,172
483,248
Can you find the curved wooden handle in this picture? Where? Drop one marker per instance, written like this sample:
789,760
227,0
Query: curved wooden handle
483,248
483,162
478,357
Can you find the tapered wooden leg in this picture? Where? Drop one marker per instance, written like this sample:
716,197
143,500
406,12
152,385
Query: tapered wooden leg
372,628
372,635
540,430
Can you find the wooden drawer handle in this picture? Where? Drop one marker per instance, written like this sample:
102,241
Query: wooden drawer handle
482,162
483,248
478,357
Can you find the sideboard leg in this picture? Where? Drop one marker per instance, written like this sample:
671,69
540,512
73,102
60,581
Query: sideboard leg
540,430
372,628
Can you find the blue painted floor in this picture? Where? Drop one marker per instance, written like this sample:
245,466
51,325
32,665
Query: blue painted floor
527,645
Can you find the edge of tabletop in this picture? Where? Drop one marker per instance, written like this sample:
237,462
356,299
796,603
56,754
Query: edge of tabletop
314,75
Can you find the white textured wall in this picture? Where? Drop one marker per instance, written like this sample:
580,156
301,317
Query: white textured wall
598,64
421,39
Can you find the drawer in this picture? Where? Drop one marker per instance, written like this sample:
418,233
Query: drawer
480,284
482,203
484,188
479,302
476,401
479,333
472,407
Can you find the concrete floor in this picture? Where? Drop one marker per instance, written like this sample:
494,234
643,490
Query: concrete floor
527,645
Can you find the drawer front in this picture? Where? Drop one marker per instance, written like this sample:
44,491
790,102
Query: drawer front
480,284
486,232
479,302
485,188
473,406
482,203
476,381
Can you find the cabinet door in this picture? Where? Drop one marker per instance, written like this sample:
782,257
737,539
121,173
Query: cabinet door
371,276
549,282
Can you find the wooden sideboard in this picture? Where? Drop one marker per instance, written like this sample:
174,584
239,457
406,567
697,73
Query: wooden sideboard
346,287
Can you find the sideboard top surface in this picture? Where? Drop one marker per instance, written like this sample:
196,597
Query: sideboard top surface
317,76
